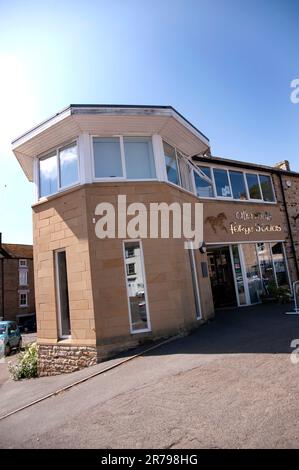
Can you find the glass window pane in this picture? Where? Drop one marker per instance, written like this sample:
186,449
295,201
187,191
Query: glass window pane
253,186
222,183
171,164
135,286
185,172
68,161
264,255
107,157
238,185
195,284
48,175
267,189
139,157
252,271
203,187
280,265
63,294
239,275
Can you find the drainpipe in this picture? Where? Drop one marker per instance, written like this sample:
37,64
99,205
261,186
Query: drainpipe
289,225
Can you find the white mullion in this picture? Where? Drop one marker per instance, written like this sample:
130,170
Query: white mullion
262,195
58,170
230,184
178,167
246,186
159,158
214,183
122,155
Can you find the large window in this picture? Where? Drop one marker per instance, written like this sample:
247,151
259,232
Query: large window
136,161
267,189
68,165
222,183
48,183
171,162
62,294
253,186
233,184
238,185
280,265
203,184
178,169
107,157
185,172
252,272
58,170
139,158
136,288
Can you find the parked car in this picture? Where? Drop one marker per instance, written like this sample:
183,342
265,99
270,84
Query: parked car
10,337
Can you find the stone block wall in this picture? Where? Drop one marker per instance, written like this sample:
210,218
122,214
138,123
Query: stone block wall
291,191
96,278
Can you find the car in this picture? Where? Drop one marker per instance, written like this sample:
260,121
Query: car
10,337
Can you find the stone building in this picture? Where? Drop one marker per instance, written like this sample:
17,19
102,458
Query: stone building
16,281
97,296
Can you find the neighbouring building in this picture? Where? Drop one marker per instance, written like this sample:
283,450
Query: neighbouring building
16,281
97,296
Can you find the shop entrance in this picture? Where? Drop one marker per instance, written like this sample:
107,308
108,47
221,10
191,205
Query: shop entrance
241,274
222,277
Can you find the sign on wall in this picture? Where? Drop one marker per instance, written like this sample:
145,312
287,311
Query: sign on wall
225,222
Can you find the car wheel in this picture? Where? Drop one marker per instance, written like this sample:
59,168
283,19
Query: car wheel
7,349
20,345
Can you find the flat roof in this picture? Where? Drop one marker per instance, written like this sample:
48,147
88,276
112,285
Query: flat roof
106,120
73,107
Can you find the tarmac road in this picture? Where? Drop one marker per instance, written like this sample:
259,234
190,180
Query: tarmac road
229,384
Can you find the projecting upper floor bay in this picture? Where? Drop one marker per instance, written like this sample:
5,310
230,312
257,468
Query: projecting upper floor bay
85,144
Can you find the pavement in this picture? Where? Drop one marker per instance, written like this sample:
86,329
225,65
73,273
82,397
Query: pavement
230,384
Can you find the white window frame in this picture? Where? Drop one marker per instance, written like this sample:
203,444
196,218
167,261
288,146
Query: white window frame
245,185
123,158
272,185
195,283
23,263
202,175
149,328
231,198
56,150
58,304
191,165
20,296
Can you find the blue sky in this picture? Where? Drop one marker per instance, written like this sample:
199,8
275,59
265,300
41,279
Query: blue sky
226,65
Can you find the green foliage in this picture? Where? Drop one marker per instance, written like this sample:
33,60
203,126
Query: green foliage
26,368
279,294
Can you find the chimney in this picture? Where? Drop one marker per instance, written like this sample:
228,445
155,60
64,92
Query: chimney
283,165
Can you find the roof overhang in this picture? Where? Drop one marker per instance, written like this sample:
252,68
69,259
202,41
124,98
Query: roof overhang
108,120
